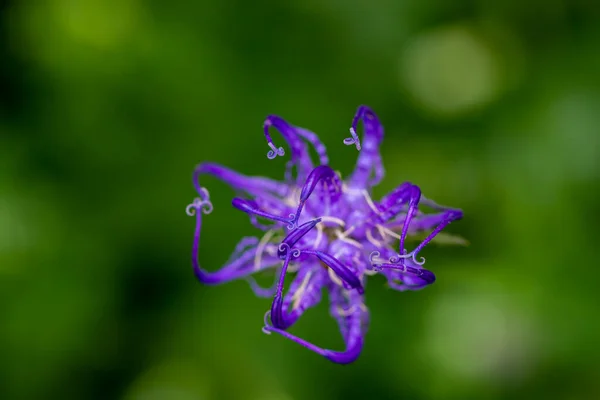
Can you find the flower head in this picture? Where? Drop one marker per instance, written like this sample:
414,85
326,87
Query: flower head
323,233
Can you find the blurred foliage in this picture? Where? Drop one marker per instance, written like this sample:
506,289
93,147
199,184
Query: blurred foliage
106,106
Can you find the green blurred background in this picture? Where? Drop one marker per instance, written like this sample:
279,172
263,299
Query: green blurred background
107,105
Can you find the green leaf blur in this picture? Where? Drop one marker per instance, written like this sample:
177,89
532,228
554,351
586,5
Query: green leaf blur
107,106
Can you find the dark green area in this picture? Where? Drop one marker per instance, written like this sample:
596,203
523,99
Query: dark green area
106,107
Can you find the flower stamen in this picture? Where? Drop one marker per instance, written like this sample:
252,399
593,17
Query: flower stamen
333,220
372,239
319,238
370,202
333,276
383,231
261,248
343,238
300,292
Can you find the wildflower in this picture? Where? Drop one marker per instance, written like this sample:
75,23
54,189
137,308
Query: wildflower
326,230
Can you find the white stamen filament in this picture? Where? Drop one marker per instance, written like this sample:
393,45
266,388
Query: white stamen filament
293,198
348,231
334,220
261,248
370,202
353,242
300,292
373,241
345,187
352,191
374,257
333,276
319,236
383,231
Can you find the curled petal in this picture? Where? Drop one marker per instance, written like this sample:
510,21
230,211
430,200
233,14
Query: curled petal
430,203
323,174
352,323
250,207
414,195
313,139
449,217
278,318
303,293
427,276
409,278
256,224
260,291
397,201
369,160
256,186
295,235
300,156
331,182
342,271
352,352
237,267
419,272
246,243
420,222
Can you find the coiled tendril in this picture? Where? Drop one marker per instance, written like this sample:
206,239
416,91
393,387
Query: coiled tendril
266,321
398,258
353,140
274,152
284,248
202,202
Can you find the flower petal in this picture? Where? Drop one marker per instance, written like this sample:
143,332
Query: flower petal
369,160
352,318
239,266
300,155
253,185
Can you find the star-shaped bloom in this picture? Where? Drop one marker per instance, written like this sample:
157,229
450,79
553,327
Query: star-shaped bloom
323,233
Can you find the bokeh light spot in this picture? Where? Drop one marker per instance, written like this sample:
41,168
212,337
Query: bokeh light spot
98,23
450,71
481,335
174,380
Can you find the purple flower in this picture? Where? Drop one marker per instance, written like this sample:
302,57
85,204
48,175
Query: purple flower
323,232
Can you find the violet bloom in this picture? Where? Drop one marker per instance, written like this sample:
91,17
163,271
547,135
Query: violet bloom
323,232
